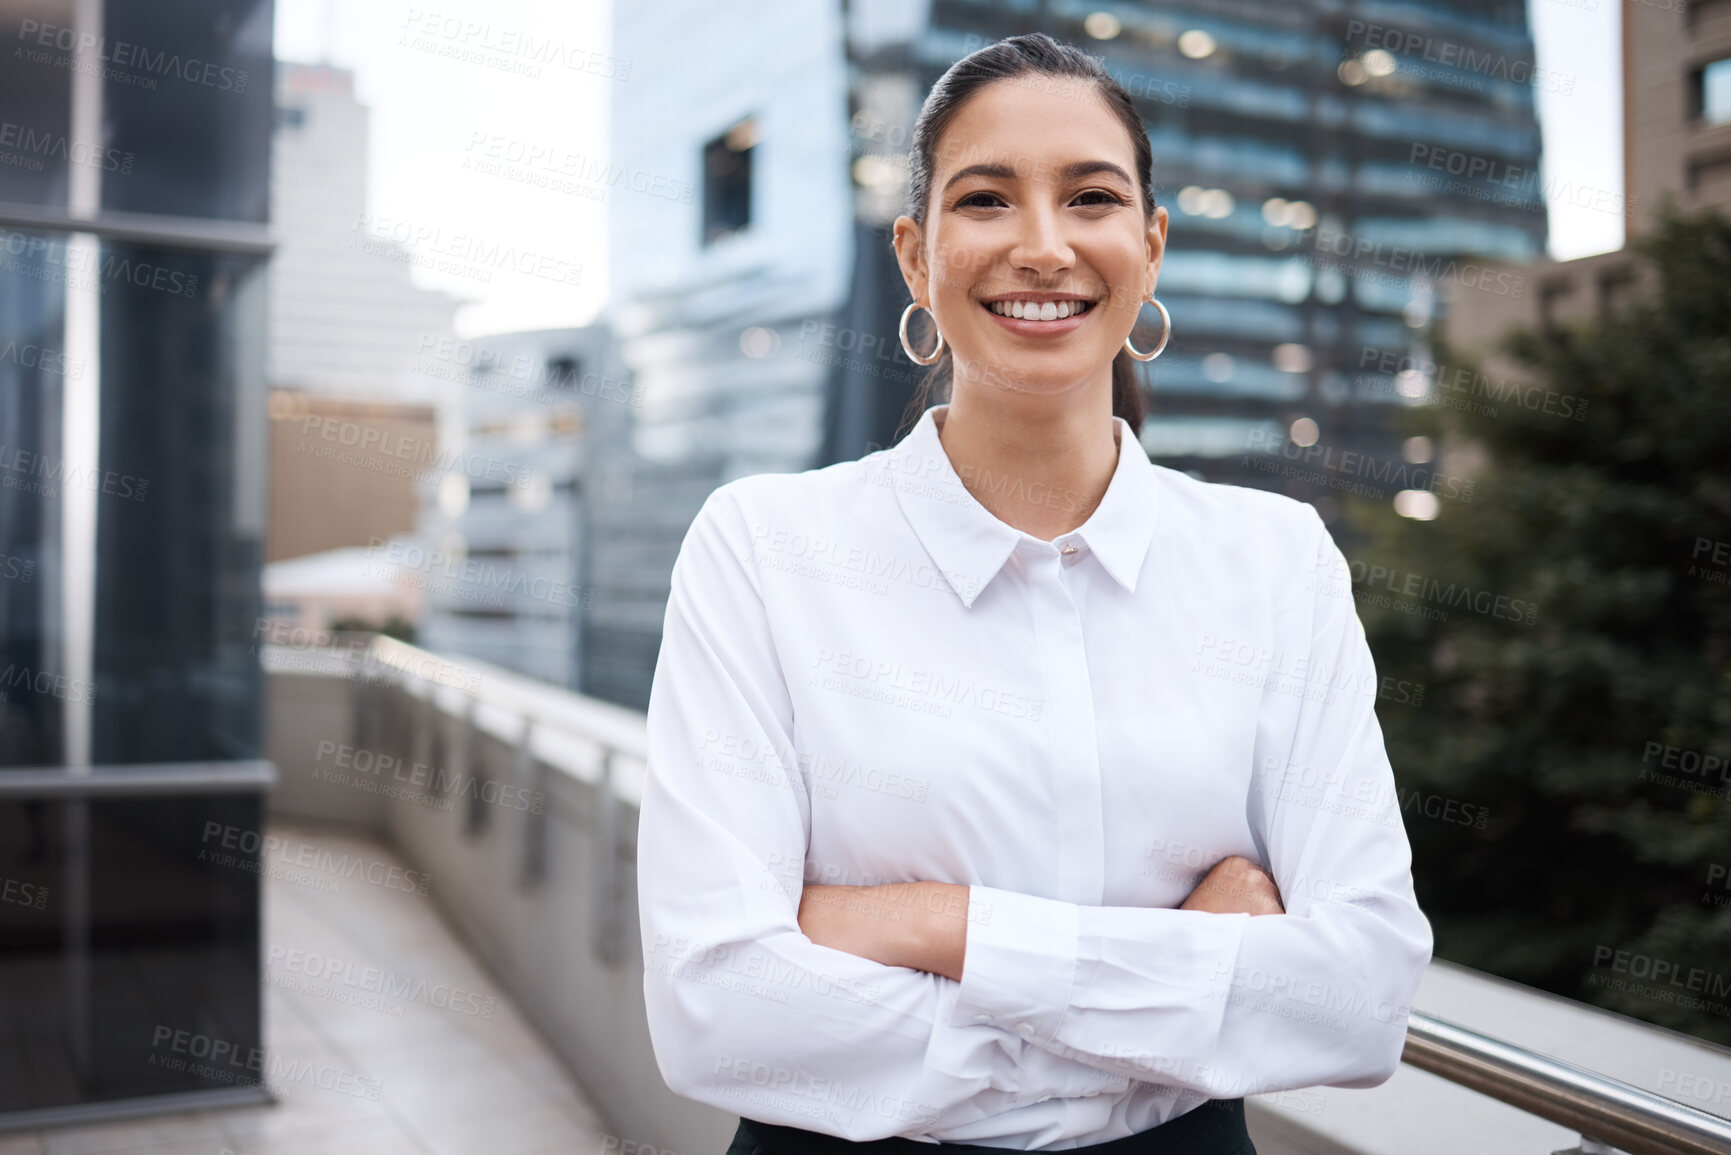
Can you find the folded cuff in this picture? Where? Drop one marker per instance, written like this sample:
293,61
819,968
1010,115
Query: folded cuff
1020,967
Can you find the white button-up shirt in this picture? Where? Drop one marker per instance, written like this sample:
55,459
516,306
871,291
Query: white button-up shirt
865,677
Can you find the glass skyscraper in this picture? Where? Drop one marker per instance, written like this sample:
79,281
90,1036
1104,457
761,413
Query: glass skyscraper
1327,166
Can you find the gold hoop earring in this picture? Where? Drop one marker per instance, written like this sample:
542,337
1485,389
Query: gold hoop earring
908,348
1165,335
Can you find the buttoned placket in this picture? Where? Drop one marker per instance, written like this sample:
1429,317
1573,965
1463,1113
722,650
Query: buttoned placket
1074,750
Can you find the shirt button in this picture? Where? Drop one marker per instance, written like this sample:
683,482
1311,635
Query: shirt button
1068,549
1026,1030
983,1019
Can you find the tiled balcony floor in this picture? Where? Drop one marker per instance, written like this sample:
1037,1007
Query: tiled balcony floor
449,1082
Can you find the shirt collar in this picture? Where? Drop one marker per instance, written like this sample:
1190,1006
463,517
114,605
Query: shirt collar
969,545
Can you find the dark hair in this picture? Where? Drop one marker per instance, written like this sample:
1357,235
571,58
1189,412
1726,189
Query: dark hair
1032,54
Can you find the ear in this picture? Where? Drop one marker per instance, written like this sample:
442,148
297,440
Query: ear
909,241
1156,247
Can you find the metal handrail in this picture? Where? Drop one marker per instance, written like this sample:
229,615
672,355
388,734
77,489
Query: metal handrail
135,780
1595,1105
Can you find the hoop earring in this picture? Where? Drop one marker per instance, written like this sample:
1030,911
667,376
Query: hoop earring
908,347
1165,335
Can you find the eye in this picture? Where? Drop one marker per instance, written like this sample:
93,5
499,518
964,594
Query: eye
974,200
1111,198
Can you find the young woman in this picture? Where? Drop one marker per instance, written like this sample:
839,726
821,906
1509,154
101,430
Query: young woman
1007,790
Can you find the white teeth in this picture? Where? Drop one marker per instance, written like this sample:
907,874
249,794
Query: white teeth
1038,311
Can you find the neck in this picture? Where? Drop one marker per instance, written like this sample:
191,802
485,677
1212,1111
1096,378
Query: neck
1040,465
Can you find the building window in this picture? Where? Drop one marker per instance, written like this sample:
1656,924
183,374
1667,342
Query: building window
1716,92
562,372
727,181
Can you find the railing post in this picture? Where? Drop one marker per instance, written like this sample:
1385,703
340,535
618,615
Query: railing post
464,764
606,894
423,738
531,779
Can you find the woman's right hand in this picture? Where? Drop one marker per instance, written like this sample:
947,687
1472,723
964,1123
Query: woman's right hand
1236,885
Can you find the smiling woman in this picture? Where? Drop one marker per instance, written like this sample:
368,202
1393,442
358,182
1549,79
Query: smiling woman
1152,864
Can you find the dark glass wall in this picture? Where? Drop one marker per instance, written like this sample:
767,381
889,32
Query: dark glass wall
33,368
178,550
121,934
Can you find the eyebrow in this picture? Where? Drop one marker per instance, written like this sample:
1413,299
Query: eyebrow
1072,171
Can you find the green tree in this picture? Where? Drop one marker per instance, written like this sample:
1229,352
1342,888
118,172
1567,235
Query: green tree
1615,529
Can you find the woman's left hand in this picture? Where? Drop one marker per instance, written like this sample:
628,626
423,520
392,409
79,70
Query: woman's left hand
922,925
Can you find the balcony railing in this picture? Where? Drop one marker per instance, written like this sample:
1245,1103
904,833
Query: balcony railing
1610,1115
456,719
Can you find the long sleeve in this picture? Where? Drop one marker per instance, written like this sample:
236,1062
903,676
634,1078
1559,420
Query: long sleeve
1229,1005
745,1012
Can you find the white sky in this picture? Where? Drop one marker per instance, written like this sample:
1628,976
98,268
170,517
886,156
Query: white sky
430,110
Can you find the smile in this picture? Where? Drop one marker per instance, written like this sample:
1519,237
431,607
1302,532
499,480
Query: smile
1038,310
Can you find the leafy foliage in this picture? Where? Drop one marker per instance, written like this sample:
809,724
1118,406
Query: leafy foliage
1572,730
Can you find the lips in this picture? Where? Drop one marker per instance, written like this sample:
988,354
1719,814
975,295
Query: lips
1030,325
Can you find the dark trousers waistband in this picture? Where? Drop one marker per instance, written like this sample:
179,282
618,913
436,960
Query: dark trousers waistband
1214,1128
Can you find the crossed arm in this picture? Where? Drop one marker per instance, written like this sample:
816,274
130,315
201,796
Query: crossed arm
923,925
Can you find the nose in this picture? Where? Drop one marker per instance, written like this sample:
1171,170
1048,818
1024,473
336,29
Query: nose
1040,241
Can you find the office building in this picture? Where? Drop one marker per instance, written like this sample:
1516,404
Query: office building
1676,143
361,399
502,555
1327,173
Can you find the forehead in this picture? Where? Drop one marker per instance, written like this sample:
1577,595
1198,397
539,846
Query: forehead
1033,124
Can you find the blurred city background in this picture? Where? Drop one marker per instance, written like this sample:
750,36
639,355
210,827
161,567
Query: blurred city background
362,367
